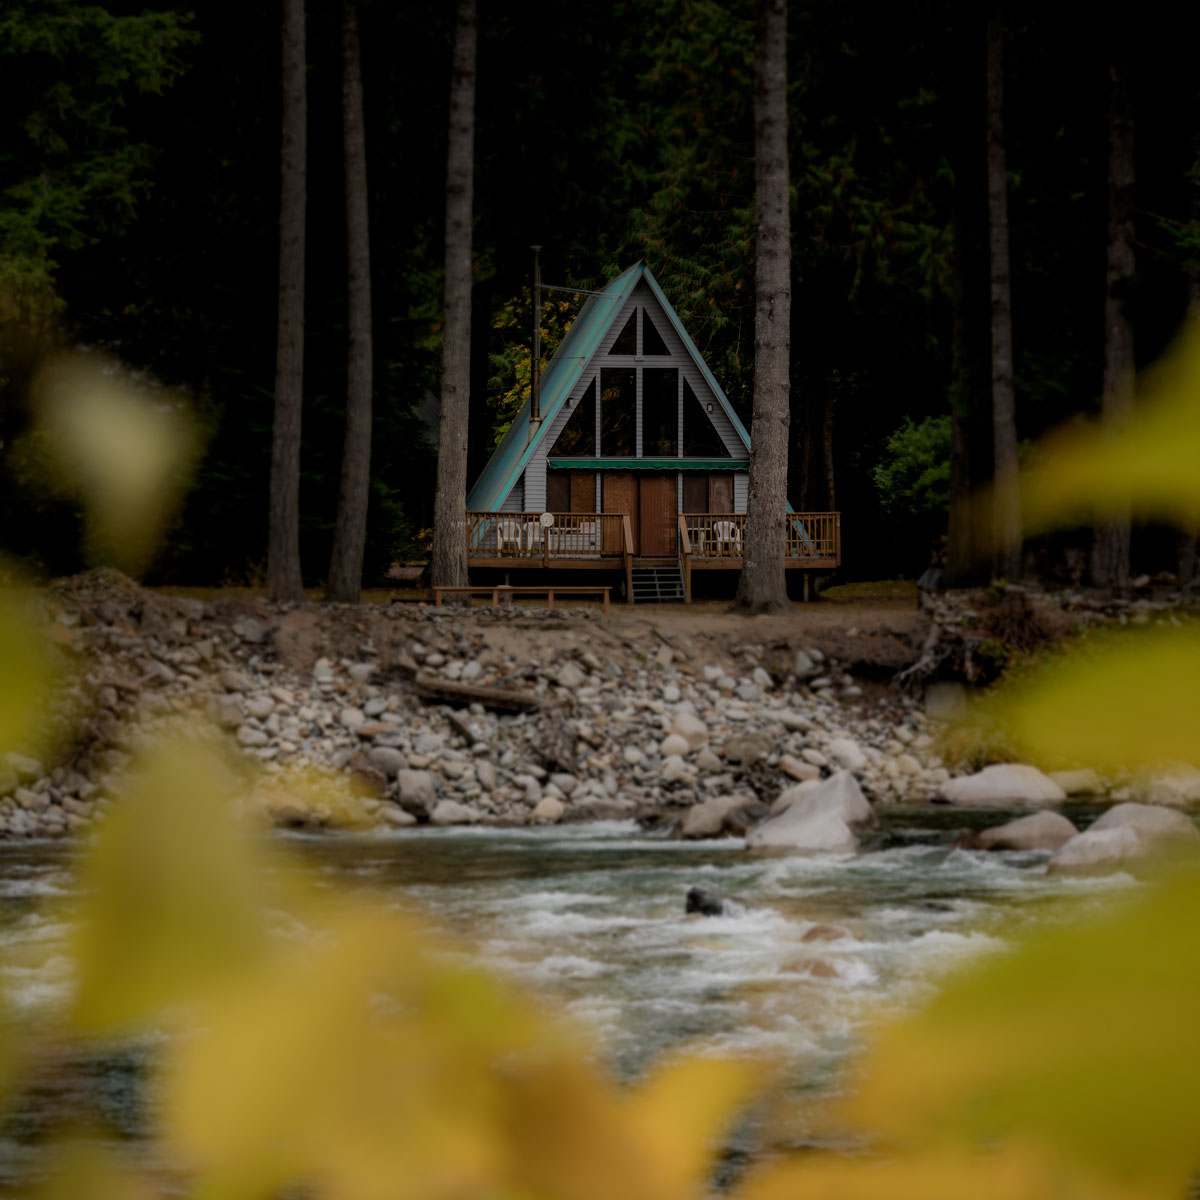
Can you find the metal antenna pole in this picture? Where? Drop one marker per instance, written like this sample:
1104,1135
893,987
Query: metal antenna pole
535,394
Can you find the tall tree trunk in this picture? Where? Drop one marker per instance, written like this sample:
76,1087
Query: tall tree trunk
960,536
1110,541
449,567
763,584
1006,510
350,529
283,539
1186,566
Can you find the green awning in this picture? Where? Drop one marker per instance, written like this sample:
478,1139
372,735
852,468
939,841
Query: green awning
649,464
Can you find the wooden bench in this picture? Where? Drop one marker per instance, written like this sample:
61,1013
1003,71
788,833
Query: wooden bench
505,590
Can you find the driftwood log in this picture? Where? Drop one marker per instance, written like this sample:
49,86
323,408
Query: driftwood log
442,691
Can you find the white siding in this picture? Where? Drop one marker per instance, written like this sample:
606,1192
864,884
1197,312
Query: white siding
741,490
515,500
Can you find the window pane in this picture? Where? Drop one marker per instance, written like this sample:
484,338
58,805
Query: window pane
618,411
652,342
558,491
700,438
626,342
578,435
660,412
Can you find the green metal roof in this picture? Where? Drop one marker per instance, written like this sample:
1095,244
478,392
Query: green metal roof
561,375
650,464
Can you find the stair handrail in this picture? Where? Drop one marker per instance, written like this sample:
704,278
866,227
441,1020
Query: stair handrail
685,558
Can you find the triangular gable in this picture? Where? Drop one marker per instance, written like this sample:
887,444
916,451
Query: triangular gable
573,356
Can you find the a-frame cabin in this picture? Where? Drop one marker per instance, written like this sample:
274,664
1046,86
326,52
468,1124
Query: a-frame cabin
636,462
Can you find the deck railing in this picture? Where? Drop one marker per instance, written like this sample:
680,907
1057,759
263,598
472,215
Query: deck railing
722,535
702,536
522,535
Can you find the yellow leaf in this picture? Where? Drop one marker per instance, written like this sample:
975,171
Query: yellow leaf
126,452
1117,701
1085,1040
25,675
173,893
1147,463
1010,1173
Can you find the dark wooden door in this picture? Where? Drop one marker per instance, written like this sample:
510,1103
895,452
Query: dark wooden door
695,492
620,496
583,491
659,511
720,492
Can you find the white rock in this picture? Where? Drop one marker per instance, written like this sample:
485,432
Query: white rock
675,768
352,718
906,764
804,665
485,772
391,815
706,760
1038,831
632,755
548,811
1149,819
570,676
26,768
1082,781
1177,784
1002,785
250,735
671,694
472,671
814,756
691,729
260,706
798,769
417,791
789,796
451,812
710,817
821,820
847,753
673,744
360,672
565,782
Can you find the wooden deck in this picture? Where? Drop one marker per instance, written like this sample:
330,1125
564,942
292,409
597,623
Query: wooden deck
604,541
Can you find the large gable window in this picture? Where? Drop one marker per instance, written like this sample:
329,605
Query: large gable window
660,412
578,435
618,412
626,342
652,343
700,437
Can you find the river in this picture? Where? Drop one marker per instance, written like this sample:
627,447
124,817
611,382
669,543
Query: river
591,918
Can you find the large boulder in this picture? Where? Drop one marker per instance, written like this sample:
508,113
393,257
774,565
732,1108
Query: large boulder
1125,837
822,820
1177,784
417,793
1003,785
1038,831
721,816
451,812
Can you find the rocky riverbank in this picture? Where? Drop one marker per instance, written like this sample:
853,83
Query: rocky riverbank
454,716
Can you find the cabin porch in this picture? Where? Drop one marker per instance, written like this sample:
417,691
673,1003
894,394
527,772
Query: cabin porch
599,541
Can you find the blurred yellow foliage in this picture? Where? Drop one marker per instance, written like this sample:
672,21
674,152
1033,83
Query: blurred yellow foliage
125,451
24,674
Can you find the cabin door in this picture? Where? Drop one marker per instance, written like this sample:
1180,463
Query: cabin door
659,503
620,496
720,492
583,491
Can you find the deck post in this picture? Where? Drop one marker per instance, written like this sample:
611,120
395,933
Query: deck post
627,534
805,574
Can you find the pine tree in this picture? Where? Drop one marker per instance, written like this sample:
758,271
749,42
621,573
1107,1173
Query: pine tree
350,529
763,584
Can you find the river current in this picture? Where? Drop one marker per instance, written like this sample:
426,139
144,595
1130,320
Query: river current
591,919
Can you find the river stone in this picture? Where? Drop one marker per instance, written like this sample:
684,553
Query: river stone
233,680
691,729
1098,850
26,768
1081,781
847,753
804,665
811,755
1000,786
360,672
570,676
1177,784
716,817
249,630
417,792
706,760
945,701
1152,820
674,768
471,671
797,769
673,743
1038,831
793,722
450,812
822,820
388,759
485,772
396,817
352,718
548,811
260,705
249,735
31,801
790,795
564,781
706,903
747,749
